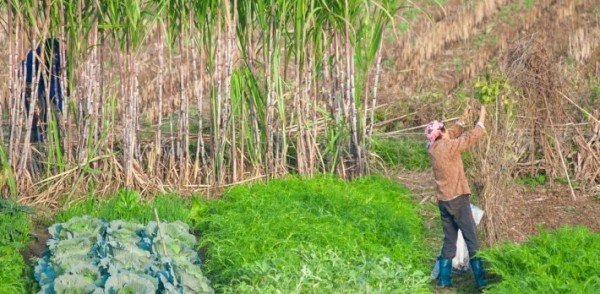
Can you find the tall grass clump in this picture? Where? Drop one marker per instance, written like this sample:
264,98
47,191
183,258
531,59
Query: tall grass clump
14,236
314,235
562,261
409,154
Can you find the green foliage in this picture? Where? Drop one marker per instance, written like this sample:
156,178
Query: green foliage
461,94
529,3
562,261
483,39
507,13
565,182
412,12
408,16
14,225
315,235
12,270
14,235
492,87
532,181
88,255
197,210
512,13
128,205
407,153
7,176
486,90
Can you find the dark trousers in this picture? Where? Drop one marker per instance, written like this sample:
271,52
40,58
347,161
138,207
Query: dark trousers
456,214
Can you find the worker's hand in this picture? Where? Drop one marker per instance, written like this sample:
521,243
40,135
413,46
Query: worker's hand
465,116
482,114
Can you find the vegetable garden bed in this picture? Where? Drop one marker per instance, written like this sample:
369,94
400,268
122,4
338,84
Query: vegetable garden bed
566,260
88,255
293,235
320,235
14,230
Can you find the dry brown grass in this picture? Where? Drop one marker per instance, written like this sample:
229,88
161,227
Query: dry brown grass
548,136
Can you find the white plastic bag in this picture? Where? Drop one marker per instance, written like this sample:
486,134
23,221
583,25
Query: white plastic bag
461,260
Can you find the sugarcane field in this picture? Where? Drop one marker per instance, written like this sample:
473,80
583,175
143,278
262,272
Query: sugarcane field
306,146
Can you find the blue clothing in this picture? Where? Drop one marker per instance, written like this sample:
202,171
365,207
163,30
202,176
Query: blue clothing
49,51
51,72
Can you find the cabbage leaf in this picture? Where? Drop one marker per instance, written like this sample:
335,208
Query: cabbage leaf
131,283
74,284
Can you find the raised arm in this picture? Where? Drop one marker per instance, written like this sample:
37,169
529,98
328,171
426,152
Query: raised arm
457,129
468,139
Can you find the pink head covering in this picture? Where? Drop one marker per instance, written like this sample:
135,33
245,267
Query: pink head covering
432,131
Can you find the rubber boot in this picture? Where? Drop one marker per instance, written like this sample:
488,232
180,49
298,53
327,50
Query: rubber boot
478,273
445,277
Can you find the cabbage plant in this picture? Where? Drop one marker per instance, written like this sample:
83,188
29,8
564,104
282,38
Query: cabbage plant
88,255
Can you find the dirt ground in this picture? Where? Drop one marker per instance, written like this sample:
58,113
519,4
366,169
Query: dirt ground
36,246
551,207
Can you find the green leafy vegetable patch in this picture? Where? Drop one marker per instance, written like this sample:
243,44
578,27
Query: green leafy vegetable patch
88,255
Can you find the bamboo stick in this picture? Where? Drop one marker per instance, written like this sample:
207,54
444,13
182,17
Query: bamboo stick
389,134
578,107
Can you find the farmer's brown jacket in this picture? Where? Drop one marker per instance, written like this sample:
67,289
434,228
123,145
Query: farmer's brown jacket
447,164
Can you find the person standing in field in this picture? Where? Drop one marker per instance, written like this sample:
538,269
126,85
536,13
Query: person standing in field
48,85
452,191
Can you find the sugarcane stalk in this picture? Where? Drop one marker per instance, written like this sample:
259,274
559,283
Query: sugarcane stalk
35,83
13,92
369,135
181,130
161,86
270,128
350,91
